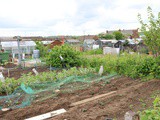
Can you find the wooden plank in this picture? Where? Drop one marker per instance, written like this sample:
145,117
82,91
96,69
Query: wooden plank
91,99
47,115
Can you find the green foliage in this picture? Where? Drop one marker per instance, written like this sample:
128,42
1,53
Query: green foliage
11,84
74,37
154,113
42,49
118,35
134,66
151,30
93,52
106,36
70,57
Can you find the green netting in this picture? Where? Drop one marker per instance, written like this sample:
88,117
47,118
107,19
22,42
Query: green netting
27,94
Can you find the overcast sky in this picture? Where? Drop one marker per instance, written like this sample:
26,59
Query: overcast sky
70,17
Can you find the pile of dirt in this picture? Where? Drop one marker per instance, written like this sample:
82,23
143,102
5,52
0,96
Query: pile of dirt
131,95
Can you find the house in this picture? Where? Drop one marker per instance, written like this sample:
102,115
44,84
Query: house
106,43
81,38
56,43
132,33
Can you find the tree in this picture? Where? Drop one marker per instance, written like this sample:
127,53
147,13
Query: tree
118,35
106,36
42,49
63,56
151,31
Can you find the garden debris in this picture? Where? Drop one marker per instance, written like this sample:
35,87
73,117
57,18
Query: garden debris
130,115
48,115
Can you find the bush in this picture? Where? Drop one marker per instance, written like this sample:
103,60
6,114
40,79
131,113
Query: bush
93,52
63,56
42,49
118,35
106,36
154,113
134,66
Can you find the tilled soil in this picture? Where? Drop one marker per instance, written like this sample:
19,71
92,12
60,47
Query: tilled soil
18,72
131,95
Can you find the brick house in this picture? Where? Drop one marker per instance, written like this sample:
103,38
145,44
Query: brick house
56,42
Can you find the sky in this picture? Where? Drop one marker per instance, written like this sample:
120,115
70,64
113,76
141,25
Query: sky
71,17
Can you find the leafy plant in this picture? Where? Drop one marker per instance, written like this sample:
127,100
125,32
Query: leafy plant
152,114
118,35
106,36
63,56
11,84
151,31
134,66
93,52
43,49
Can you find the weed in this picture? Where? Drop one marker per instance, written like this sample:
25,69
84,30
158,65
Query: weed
84,110
101,103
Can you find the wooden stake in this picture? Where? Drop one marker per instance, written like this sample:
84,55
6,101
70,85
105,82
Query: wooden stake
91,99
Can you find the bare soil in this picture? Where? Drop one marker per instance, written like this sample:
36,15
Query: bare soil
131,95
13,71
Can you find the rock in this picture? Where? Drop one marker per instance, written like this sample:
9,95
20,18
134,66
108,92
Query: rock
129,115
57,91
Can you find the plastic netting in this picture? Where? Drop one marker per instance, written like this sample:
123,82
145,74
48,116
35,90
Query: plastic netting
27,94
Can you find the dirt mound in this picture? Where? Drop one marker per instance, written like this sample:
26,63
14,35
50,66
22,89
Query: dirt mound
131,95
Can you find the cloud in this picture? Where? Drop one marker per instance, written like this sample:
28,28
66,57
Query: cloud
70,17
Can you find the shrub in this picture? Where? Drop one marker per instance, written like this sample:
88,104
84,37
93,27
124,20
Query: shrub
134,66
93,52
63,56
118,35
42,49
154,113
